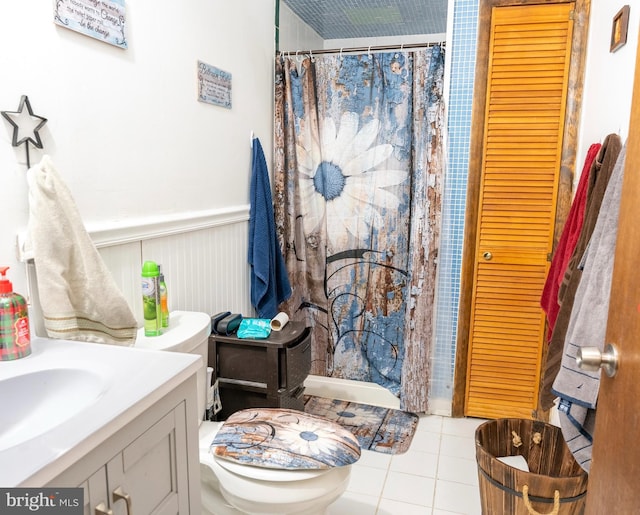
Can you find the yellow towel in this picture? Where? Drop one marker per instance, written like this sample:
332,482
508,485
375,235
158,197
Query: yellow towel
78,296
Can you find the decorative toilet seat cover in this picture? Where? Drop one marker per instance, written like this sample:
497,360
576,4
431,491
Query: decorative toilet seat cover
280,438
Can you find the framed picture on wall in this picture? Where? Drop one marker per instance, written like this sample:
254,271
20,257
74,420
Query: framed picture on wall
619,29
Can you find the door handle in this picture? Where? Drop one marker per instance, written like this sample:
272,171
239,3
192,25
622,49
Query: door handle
487,256
120,495
591,359
101,509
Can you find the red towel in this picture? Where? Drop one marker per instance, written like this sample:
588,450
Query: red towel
567,243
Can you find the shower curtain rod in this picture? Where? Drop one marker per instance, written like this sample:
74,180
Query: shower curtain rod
361,49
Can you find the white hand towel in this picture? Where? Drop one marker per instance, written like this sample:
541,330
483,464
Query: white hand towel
79,298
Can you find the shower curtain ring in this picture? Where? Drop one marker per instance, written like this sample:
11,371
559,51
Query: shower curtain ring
369,52
340,56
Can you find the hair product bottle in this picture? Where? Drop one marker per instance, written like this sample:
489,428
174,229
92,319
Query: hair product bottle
164,299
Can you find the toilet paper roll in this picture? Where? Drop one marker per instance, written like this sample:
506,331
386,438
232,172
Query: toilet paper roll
279,321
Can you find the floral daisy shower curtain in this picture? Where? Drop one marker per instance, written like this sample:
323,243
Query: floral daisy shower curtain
358,180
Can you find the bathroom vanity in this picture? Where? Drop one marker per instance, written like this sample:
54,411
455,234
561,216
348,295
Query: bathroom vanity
121,423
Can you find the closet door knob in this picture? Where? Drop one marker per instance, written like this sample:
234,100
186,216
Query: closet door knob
591,359
487,256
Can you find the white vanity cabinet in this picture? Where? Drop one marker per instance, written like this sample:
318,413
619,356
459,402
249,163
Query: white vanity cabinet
150,465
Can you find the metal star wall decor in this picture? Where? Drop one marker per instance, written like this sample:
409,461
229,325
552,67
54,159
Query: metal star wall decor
27,123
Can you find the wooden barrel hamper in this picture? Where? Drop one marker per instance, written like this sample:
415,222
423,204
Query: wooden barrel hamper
556,484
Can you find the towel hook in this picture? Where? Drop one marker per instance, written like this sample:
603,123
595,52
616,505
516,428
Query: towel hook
30,123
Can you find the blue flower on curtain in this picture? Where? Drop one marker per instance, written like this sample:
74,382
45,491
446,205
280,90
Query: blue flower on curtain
340,180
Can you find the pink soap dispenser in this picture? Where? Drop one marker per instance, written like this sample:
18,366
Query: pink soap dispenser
15,340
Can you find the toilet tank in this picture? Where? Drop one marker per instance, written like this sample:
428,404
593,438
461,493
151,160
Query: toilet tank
188,332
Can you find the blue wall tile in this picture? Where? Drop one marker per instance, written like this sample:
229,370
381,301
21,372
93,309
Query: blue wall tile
463,60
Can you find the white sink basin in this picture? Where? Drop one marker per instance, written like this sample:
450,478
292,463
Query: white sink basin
36,402
66,398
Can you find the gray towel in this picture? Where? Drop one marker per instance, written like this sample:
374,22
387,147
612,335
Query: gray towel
79,298
577,389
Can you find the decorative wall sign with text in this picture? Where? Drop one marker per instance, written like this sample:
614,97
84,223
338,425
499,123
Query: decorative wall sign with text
214,85
100,19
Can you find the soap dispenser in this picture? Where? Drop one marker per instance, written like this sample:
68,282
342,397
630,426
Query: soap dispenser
15,340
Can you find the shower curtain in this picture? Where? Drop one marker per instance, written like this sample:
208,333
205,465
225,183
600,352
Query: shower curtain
357,190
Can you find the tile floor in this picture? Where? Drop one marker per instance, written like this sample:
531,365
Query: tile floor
436,476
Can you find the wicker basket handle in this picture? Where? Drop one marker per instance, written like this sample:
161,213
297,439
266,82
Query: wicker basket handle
527,503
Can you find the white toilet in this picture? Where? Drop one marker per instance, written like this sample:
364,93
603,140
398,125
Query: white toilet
229,487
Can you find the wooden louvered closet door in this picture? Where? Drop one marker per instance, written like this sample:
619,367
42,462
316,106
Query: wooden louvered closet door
529,61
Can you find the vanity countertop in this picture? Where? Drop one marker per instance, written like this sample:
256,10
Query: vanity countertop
68,397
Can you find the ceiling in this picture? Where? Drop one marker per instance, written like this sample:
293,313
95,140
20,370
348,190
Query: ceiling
345,19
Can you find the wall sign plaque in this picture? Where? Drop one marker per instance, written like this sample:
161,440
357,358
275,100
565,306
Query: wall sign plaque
99,19
214,85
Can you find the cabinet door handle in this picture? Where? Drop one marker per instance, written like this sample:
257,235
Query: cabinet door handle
118,495
101,509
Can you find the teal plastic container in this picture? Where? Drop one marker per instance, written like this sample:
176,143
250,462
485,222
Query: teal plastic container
15,336
151,299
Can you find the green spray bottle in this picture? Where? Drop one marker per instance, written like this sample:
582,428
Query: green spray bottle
151,306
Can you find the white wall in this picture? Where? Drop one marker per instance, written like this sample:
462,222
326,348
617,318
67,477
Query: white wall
125,129
608,88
